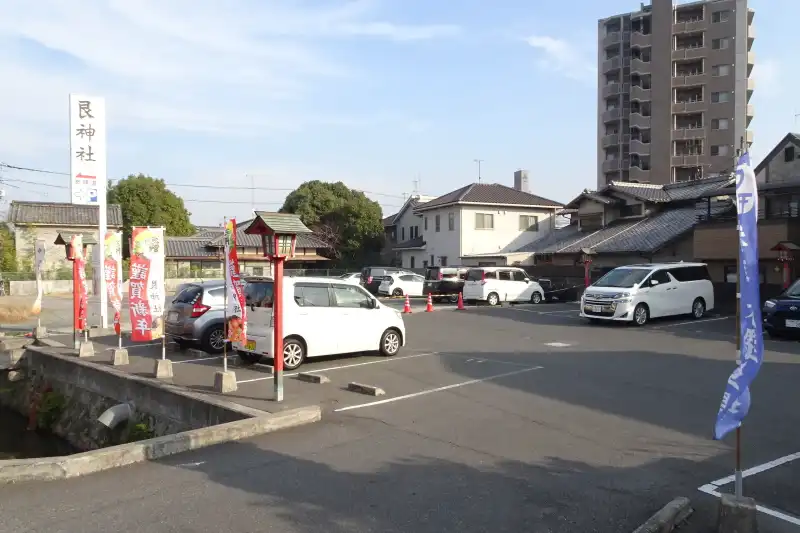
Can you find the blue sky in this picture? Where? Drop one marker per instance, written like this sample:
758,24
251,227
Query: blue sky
375,93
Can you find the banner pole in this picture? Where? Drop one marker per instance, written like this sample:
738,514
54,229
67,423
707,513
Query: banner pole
163,336
225,251
738,467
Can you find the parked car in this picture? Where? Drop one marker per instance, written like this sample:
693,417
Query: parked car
196,315
444,282
352,277
558,290
371,277
781,315
401,284
637,293
494,285
321,317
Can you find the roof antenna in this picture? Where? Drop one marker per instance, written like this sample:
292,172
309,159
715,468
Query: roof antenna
479,161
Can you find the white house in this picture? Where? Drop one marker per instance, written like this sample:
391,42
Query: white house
468,225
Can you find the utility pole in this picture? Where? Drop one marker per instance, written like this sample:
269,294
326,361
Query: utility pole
479,161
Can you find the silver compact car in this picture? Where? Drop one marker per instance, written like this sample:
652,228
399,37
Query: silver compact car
196,315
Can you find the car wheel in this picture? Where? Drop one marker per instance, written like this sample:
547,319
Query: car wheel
493,299
453,298
213,340
390,342
248,357
294,353
536,298
641,315
397,292
698,308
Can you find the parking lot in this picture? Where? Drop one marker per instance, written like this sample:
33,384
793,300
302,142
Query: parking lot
546,419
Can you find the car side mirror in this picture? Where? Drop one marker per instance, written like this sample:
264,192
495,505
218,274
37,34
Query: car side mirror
373,304
527,280
653,282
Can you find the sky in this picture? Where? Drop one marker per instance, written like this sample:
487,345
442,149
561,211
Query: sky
388,96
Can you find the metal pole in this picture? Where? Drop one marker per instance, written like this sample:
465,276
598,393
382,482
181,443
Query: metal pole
225,298
479,161
738,470
163,336
277,331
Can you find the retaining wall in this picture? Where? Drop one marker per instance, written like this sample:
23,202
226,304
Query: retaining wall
28,288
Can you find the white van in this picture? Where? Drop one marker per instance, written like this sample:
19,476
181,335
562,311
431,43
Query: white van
637,293
321,316
494,285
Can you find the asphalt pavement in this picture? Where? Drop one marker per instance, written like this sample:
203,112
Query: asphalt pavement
494,419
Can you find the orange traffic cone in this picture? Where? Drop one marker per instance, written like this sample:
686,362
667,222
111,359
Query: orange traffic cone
460,306
407,306
429,307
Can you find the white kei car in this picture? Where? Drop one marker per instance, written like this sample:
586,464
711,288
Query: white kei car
402,284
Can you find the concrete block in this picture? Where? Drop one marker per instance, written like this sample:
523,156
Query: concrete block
13,343
119,356
224,382
86,349
39,332
668,517
197,354
313,378
11,358
163,369
369,390
737,515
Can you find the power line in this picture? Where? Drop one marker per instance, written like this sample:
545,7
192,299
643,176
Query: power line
188,185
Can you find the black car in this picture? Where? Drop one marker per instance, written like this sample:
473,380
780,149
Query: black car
371,277
444,282
781,315
558,291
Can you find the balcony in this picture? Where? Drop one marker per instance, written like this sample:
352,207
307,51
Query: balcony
688,81
612,114
637,65
751,34
639,147
640,39
690,27
696,106
692,160
637,120
614,139
639,93
751,86
751,59
614,89
748,136
694,52
613,165
612,64
638,174
679,134
611,39
750,111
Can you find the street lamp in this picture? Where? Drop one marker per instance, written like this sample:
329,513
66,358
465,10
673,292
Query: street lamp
586,257
278,237
75,247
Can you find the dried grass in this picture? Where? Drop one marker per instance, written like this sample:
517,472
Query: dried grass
14,310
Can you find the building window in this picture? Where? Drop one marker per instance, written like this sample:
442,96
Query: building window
412,261
633,210
591,222
719,124
721,70
432,263
451,221
443,260
720,97
720,44
720,16
484,221
719,149
788,154
528,223
438,222
426,223
425,264
403,233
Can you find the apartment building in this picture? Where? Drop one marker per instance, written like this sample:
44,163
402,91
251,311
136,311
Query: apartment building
674,90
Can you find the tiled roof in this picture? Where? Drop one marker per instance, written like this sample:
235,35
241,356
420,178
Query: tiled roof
692,190
647,234
416,242
488,193
304,240
659,194
389,221
283,222
643,191
189,247
208,232
61,214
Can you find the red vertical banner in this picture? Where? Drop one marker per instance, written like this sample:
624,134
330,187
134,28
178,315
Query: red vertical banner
236,330
83,292
146,284
112,271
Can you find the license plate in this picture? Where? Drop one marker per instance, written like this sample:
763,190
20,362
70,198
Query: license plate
596,308
793,323
173,316
250,345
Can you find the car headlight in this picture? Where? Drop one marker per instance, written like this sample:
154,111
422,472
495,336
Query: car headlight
769,303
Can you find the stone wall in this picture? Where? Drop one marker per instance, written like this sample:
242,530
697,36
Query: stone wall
28,288
66,395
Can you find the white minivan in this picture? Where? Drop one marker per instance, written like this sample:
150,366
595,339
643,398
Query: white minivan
321,316
494,285
637,293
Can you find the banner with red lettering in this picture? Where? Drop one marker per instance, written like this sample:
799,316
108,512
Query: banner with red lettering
112,270
146,284
83,291
236,331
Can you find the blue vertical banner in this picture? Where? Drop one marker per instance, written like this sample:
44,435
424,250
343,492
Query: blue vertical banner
736,400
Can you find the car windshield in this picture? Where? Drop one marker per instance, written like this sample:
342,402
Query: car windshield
623,278
793,291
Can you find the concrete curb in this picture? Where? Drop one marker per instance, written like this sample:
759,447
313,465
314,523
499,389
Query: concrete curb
670,516
312,378
81,464
365,389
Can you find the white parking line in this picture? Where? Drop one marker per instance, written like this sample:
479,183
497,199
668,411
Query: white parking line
198,359
713,487
437,389
527,310
688,322
341,367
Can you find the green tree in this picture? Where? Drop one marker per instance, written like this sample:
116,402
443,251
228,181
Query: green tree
8,251
146,201
348,221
